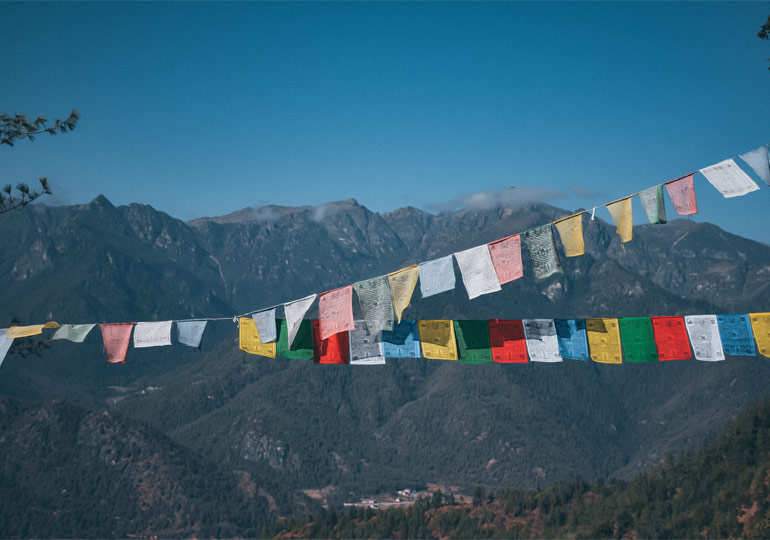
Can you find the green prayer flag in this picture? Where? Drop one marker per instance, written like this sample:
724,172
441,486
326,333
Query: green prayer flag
302,346
73,332
638,339
654,204
473,342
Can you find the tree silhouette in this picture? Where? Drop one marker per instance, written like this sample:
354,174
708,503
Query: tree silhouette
764,32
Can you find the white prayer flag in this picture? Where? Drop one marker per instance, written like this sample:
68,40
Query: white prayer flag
5,343
478,271
704,337
191,332
152,334
729,179
759,160
294,312
265,323
542,341
437,276
365,348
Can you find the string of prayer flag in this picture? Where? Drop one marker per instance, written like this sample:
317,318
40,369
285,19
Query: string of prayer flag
116,338
401,342
506,258
542,250
248,339
332,350
622,216
704,337
571,334
302,346
571,234
654,205
759,160
365,348
73,332
682,193
153,334
542,343
437,276
736,334
760,323
604,341
507,341
671,338
335,312
473,343
638,339
295,312
438,340
478,271
191,332
402,284
265,323
376,303
729,179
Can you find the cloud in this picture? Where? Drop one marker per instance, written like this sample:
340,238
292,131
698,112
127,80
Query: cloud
586,193
511,197
265,214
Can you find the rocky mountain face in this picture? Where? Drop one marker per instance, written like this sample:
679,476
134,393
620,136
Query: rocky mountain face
360,430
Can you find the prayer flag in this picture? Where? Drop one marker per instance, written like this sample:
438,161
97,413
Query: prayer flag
654,204
506,258
507,341
473,342
704,336
335,312
542,250
266,325
571,234
438,340
376,303
604,341
571,334
623,218
671,338
760,323
402,284
403,341
478,272
5,343
736,334
437,276
295,312
638,339
365,348
682,193
332,350
729,179
249,339
191,332
759,160
73,332
542,343
302,346
116,337
32,330
152,334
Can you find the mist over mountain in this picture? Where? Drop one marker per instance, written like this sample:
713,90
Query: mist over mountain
354,431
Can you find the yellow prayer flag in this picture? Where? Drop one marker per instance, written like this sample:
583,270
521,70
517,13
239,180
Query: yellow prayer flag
402,283
760,323
249,339
571,234
604,340
26,331
438,340
624,221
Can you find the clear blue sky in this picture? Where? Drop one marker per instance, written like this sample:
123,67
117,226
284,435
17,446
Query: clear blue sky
201,109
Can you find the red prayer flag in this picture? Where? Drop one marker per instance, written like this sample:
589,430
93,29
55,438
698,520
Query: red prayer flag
116,337
682,193
507,340
335,311
671,338
333,350
506,258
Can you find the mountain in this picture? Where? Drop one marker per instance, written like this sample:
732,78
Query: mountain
723,491
350,431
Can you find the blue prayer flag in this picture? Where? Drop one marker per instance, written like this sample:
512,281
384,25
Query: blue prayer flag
402,342
573,342
737,336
